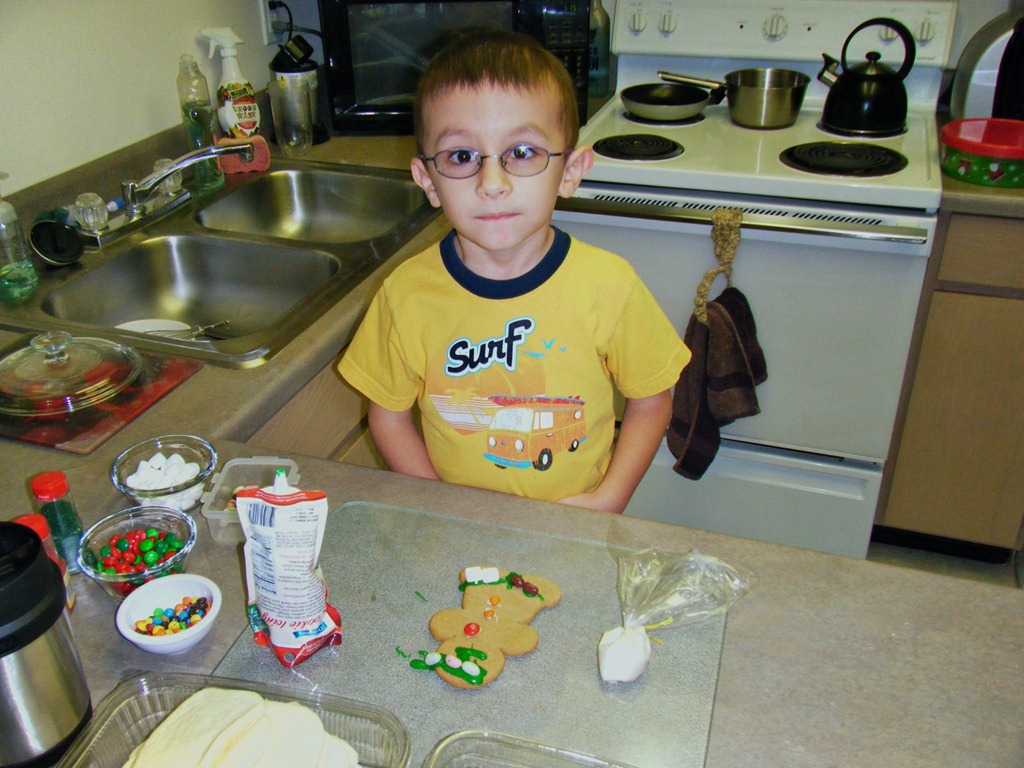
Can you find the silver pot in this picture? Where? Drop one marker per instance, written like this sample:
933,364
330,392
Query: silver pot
758,97
44,699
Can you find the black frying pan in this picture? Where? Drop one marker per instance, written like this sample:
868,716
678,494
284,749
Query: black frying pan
668,101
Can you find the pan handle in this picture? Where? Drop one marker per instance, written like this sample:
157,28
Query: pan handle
717,88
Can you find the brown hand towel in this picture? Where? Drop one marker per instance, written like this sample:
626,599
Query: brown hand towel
693,435
735,362
717,386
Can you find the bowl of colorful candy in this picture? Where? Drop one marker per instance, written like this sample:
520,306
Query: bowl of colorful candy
166,471
169,615
129,548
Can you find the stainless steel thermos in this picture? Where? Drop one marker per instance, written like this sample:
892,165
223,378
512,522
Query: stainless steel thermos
44,699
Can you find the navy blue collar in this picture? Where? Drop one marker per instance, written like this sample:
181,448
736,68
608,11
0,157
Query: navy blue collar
487,288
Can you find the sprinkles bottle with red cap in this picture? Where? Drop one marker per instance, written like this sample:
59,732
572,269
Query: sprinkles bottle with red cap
53,500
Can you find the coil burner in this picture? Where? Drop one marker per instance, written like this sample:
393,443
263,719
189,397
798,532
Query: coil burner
638,146
844,158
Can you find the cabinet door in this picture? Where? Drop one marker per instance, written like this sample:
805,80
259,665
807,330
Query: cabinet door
322,420
983,250
960,468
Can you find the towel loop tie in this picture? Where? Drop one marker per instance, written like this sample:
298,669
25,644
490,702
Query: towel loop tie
725,236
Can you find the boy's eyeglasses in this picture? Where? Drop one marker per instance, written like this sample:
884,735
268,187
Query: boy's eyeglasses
463,163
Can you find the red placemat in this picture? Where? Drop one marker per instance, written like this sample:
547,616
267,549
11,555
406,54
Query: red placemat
83,431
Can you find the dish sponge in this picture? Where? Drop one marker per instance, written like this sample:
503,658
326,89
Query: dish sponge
237,164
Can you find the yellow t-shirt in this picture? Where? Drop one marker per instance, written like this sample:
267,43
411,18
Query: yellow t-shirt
514,378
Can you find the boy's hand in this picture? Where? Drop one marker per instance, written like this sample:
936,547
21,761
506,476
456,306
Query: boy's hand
643,427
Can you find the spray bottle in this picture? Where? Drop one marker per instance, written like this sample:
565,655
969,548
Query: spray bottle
237,109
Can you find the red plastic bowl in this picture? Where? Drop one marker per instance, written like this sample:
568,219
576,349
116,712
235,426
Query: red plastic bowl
989,136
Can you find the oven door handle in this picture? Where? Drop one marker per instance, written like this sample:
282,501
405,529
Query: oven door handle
772,223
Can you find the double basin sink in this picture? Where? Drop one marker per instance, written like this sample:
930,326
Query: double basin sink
269,253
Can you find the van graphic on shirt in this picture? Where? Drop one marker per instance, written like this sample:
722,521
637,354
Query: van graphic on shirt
528,431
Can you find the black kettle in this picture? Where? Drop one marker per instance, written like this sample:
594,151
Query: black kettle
869,98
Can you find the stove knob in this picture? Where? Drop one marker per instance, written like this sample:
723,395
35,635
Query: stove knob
775,27
926,31
638,22
668,23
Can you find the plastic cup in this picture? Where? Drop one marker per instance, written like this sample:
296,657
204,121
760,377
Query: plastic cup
293,121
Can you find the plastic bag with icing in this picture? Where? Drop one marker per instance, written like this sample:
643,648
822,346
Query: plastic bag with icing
659,590
287,596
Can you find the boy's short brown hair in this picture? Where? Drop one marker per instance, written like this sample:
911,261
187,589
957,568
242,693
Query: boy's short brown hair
507,59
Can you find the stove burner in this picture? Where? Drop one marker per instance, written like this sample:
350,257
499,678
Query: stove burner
861,134
844,158
638,146
672,123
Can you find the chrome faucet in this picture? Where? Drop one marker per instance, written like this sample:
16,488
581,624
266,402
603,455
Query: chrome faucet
136,192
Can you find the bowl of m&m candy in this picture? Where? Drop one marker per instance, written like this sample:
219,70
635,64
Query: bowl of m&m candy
132,547
169,615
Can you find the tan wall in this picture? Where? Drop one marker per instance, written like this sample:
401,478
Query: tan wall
83,79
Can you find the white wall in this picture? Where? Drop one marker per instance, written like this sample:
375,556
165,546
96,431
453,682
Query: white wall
83,79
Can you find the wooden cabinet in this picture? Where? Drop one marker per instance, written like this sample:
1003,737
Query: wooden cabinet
326,419
959,464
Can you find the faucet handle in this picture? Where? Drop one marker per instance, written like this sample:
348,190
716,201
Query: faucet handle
172,184
91,212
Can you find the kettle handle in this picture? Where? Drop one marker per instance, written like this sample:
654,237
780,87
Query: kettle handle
909,48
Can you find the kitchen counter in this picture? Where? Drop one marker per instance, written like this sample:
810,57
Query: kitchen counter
829,660
218,402
961,197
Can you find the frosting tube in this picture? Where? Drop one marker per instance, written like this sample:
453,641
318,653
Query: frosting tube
288,608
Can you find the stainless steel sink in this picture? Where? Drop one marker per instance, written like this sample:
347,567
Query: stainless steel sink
314,206
195,280
270,254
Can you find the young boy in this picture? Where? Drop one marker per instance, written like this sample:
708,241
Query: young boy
508,334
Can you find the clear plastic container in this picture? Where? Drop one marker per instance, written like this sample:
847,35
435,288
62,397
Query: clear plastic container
130,712
53,500
218,503
486,749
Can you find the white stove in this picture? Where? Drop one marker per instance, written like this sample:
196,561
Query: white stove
709,38
832,265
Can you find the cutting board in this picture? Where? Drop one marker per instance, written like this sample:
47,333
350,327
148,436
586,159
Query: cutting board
388,570
83,431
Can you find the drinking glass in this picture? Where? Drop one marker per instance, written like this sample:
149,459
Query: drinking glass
293,121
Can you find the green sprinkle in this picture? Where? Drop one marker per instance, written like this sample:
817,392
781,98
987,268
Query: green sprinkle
400,652
421,597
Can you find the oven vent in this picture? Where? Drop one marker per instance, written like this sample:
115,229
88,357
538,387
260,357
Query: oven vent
635,200
873,221
748,210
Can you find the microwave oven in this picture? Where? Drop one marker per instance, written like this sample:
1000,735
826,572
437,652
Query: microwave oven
375,52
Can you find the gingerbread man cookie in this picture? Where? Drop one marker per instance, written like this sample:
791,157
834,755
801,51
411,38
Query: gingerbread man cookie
494,622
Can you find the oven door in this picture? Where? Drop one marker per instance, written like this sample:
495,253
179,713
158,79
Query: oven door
834,294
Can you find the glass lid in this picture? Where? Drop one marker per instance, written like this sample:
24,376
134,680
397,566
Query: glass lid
59,374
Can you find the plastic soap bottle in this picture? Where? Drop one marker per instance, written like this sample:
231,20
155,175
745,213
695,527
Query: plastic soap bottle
18,278
200,119
236,101
600,54
53,501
